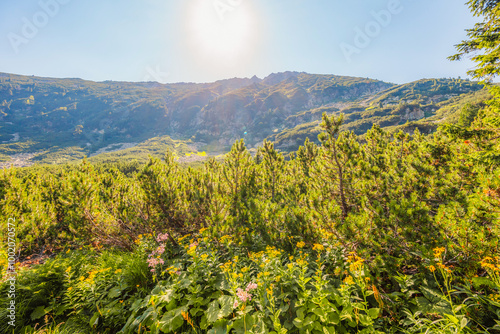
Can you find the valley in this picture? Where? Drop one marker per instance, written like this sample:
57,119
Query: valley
63,120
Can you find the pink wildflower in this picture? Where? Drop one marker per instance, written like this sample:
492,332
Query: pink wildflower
235,304
158,251
243,295
162,237
161,249
153,262
251,286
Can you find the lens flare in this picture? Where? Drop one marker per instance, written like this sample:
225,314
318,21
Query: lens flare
222,33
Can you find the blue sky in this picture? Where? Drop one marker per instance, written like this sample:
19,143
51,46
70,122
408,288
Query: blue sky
206,40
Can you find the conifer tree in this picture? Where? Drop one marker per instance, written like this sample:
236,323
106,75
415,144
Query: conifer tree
483,46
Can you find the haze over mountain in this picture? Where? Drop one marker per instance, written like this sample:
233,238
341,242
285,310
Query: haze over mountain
56,120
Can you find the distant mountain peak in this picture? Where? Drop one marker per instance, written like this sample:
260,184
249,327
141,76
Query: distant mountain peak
275,78
255,79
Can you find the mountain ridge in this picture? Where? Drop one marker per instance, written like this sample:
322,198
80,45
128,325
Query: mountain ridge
38,114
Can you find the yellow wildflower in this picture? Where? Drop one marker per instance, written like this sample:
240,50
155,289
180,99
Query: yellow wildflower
301,244
192,250
348,280
226,266
272,252
351,257
356,263
438,251
432,268
301,262
318,247
489,266
485,263
441,266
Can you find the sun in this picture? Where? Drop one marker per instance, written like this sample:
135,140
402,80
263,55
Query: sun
222,32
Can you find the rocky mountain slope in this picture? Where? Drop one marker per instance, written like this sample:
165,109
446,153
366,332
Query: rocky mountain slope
57,120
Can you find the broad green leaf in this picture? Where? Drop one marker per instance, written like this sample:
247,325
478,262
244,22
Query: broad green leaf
329,330
166,297
298,323
320,313
334,318
463,322
221,283
226,304
213,312
184,283
373,313
220,327
308,321
365,320
172,320
114,292
241,326
452,318
301,313
204,322
38,313
94,320
346,313
260,326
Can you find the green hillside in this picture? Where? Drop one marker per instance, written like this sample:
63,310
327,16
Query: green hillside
59,120
423,104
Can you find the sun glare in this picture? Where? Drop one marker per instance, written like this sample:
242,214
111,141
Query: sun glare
222,32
